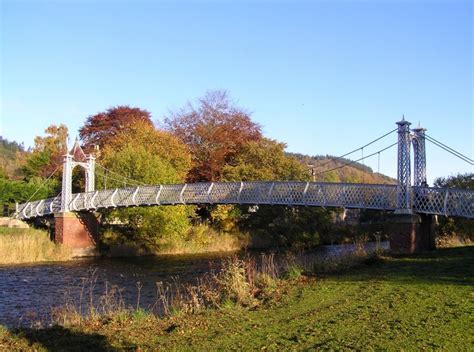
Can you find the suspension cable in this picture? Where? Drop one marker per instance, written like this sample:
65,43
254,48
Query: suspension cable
364,146
124,177
355,161
450,150
133,183
378,162
40,187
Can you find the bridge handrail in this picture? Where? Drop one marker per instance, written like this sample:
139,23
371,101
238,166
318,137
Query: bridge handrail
444,201
429,200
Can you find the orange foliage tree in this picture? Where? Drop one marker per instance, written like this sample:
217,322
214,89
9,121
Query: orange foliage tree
47,153
215,131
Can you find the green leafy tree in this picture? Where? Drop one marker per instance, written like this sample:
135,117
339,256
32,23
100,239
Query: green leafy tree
12,191
275,225
330,176
149,156
460,227
262,160
462,181
44,161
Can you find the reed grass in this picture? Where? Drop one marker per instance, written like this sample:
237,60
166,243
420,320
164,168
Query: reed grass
29,246
240,282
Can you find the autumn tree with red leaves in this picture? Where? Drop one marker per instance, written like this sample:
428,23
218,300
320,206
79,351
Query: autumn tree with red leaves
103,126
215,131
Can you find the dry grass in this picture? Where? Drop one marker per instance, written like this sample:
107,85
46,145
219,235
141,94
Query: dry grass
240,282
453,241
410,303
201,239
28,246
244,282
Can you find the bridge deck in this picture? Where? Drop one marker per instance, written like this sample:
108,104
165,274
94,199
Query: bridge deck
449,202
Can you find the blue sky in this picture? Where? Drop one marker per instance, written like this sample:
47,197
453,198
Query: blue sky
323,77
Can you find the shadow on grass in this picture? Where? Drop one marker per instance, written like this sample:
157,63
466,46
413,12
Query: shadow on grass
58,338
452,266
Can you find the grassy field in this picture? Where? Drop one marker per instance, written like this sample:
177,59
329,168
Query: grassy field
28,246
423,302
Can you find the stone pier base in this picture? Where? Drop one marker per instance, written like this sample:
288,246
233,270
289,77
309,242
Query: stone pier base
78,231
411,233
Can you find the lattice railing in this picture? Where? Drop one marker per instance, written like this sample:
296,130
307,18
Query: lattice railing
444,201
428,200
39,208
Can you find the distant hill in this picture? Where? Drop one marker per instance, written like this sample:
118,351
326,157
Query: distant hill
353,173
11,154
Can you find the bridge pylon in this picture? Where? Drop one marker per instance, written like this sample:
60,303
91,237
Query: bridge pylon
419,157
76,230
404,200
410,232
76,157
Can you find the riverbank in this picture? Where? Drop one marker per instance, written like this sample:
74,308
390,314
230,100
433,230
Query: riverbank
200,239
28,245
411,303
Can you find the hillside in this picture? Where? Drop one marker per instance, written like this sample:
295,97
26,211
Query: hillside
11,154
353,173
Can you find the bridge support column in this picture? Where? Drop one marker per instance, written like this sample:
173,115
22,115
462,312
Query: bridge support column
411,233
78,231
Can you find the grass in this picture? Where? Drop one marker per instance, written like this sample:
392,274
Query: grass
28,246
201,238
422,302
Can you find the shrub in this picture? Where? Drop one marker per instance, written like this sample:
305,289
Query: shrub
233,282
293,272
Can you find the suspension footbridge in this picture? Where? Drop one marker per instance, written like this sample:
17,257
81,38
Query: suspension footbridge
409,196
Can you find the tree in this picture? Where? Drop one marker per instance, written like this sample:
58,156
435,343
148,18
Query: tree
47,153
463,181
150,156
103,126
215,131
21,191
265,160
11,154
146,154
457,227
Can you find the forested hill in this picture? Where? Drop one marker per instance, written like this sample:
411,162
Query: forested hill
353,173
10,155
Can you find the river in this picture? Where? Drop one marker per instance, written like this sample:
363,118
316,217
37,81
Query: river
29,292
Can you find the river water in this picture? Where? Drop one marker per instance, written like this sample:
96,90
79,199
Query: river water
29,292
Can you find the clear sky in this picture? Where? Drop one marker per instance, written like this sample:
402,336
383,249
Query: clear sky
323,77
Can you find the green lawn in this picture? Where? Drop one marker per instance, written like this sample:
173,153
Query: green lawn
423,302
